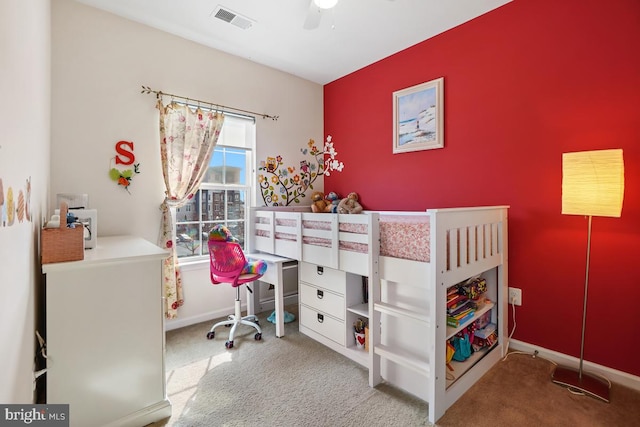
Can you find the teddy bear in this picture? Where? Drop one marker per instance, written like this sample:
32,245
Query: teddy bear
350,205
318,202
333,200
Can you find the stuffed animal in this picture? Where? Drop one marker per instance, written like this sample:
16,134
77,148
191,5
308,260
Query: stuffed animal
332,202
350,205
222,234
318,202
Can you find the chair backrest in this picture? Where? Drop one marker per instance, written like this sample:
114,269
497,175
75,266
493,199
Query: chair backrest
226,262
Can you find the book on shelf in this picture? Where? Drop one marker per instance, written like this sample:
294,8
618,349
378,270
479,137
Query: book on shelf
456,299
462,313
452,291
457,321
462,307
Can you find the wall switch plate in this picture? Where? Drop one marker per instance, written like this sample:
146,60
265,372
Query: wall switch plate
515,296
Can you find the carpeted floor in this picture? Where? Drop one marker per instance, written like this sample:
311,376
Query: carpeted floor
295,381
288,381
518,392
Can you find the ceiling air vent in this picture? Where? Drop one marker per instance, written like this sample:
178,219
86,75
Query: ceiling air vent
232,18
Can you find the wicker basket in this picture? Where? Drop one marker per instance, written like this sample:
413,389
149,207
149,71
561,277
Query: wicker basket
366,338
62,244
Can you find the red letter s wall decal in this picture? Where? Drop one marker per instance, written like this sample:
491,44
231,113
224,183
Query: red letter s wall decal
121,149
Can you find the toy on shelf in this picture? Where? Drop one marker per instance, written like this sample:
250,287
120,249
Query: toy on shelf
333,200
350,205
319,203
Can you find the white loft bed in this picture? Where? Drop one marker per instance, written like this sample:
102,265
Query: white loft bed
410,258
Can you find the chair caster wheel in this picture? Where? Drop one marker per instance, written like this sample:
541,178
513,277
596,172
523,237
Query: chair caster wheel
258,336
257,322
211,335
229,344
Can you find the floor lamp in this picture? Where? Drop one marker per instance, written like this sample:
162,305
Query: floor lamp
592,185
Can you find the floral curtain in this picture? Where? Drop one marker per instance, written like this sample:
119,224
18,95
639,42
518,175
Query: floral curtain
187,139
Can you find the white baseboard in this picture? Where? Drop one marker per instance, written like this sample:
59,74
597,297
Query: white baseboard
265,305
613,375
148,415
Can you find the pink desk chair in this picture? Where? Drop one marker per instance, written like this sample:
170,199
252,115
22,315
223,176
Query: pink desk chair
229,265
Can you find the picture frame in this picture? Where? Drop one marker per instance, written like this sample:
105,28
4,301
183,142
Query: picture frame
418,117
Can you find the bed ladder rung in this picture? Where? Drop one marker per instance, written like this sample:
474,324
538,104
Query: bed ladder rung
393,310
403,358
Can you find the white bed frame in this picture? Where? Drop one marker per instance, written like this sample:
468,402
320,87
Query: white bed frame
408,298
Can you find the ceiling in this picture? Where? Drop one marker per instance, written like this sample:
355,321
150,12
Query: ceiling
352,35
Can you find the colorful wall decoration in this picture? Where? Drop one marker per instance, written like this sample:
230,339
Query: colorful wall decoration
282,185
124,156
15,204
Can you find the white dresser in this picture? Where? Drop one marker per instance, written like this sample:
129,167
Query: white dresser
330,301
105,334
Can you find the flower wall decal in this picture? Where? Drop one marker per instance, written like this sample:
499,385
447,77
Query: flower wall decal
282,185
124,177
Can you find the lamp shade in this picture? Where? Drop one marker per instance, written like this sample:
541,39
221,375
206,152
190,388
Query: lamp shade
593,183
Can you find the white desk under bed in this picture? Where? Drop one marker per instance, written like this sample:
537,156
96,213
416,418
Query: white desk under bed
273,276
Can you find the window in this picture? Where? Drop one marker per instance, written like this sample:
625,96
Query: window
225,192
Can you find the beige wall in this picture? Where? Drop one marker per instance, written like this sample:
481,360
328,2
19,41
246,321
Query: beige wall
24,154
99,62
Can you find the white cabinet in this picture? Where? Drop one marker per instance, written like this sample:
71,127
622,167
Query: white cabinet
105,334
330,302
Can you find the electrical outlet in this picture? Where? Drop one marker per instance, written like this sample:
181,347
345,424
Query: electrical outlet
515,296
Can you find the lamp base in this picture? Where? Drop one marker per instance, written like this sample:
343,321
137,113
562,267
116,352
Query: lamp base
588,384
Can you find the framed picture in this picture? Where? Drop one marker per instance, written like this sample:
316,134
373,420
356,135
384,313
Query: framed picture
418,117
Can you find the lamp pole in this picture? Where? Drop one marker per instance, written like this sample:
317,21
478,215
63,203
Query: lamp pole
568,377
584,307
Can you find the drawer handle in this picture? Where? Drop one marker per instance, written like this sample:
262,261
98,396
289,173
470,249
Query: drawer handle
320,270
320,294
320,318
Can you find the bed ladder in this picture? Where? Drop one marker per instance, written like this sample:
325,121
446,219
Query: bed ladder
396,355
398,272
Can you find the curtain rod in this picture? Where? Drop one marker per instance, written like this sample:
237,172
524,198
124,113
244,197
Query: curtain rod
159,94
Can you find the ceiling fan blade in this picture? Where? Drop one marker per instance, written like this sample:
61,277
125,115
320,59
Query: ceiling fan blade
314,14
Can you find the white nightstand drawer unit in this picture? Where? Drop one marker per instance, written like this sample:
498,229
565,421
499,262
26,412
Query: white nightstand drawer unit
322,300
323,277
323,324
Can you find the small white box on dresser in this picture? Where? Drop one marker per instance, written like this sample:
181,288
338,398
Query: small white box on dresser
89,220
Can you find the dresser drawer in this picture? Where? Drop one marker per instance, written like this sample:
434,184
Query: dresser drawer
322,300
323,324
324,277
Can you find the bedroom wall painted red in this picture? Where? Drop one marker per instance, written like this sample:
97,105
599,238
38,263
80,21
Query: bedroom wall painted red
522,85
